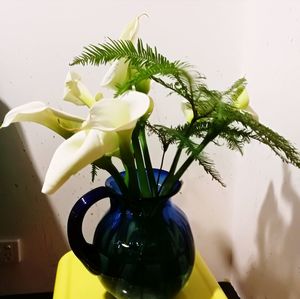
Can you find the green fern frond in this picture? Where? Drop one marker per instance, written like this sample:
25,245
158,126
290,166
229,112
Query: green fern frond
236,89
209,168
103,53
236,137
167,70
138,56
163,138
177,136
144,59
180,134
280,146
94,171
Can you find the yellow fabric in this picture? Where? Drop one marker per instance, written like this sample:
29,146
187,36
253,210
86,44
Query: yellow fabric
73,281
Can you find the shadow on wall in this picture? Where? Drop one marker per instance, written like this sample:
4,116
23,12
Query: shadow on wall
26,214
275,274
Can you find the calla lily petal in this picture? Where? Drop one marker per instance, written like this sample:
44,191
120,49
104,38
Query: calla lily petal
38,112
118,114
242,102
252,112
76,92
75,153
187,110
117,73
130,31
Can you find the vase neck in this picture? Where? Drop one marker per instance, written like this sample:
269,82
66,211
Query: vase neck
143,207
160,177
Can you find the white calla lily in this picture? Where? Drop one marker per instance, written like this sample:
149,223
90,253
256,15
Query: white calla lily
117,74
60,122
118,114
77,93
98,136
75,153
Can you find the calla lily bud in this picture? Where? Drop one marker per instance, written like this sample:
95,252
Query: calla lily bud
242,102
187,110
131,30
142,86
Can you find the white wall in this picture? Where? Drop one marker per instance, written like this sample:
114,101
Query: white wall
266,258
221,38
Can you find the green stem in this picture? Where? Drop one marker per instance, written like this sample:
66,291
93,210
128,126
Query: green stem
148,163
128,162
141,171
160,169
170,181
179,150
106,164
175,160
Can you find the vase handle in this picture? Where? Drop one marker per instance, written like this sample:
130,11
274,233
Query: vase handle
85,251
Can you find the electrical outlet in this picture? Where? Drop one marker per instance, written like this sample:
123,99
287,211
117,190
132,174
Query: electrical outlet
10,252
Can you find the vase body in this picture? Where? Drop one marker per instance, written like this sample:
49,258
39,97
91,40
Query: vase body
142,249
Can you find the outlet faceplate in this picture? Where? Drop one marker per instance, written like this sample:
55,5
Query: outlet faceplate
10,251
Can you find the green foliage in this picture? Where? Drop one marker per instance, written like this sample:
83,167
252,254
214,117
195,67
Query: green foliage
94,171
145,60
215,118
178,136
236,89
280,146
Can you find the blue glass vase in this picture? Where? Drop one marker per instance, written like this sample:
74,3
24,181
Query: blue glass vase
142,249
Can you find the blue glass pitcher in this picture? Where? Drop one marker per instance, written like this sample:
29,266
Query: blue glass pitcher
142,249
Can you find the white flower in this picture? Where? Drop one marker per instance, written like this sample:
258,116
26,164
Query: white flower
56,120
77,93
92,138
118,71
83,148
97,137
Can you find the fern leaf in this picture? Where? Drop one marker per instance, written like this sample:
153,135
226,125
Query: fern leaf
236,89
236,137
209,168
94,172
280,146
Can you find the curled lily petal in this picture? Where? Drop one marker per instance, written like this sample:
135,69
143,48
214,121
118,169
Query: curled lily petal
187,110
242,102
130,31
76,92
252,112
38,112
117,73
118,114
75,153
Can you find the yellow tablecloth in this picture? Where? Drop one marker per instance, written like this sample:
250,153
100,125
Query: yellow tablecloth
73,281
